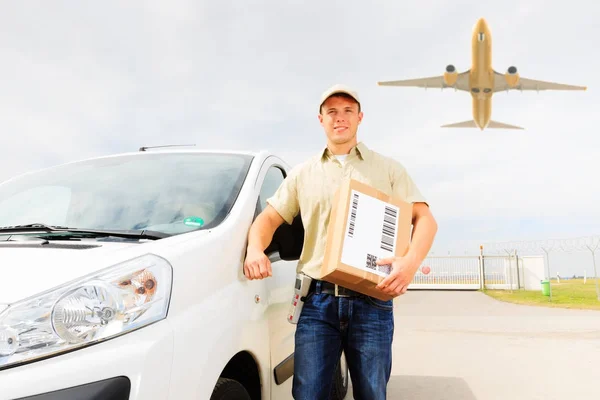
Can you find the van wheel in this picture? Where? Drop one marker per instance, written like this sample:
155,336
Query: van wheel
339,388
228,389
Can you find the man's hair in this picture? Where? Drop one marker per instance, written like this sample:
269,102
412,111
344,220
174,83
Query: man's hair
344,95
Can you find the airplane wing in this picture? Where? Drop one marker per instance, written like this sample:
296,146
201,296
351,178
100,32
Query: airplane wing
432,82
500,85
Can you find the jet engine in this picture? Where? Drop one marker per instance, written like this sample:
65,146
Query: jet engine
450,75
512,76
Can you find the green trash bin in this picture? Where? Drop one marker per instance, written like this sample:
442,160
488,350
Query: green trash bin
546,288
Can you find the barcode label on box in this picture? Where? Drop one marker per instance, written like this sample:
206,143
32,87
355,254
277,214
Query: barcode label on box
388,235
371,233
351,225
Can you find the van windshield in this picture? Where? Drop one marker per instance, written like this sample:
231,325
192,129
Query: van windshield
171,193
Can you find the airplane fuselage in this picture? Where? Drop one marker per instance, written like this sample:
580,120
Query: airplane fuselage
481,77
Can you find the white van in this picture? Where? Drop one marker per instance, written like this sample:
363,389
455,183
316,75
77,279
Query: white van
121,277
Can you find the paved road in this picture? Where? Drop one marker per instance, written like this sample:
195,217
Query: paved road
467,346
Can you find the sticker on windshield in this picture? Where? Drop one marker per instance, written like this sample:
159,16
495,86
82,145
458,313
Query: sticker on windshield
193,221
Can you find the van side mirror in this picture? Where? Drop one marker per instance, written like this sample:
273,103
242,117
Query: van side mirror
288,240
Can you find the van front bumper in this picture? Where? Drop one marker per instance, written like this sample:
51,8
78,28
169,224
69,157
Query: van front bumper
134,366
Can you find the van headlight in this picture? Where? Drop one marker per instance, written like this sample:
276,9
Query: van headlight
109,303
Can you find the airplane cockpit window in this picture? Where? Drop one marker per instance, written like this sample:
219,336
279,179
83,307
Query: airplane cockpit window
475,90
481,36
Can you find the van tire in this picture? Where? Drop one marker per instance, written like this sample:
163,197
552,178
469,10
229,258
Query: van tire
339,389
228,389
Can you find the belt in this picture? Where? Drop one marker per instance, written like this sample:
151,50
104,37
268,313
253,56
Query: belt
319,286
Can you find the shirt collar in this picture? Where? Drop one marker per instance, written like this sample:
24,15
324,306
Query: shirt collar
360,150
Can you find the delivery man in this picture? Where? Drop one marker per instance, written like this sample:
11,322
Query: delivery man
333,318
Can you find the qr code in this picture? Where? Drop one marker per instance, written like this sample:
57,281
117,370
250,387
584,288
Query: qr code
371,263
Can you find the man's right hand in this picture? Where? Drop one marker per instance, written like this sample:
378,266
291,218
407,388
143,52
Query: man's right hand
257,265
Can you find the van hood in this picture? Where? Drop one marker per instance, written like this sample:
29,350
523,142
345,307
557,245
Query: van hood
29,268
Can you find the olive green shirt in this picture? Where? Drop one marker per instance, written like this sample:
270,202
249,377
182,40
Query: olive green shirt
310,187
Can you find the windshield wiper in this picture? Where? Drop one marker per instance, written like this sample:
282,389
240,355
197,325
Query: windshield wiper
132,234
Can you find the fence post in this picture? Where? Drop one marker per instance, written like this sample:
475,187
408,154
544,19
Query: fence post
595,271
518,273
547,251
481,269
510,281
510,272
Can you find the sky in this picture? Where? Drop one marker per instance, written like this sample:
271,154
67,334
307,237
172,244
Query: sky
86,79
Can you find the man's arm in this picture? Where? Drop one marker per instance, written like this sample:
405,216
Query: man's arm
404,268
257,264
264,227
424,230
282,207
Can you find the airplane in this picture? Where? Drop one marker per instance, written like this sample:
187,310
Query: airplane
482,81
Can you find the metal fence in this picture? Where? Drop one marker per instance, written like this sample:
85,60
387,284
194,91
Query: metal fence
513,265
448,272
477,272
578,253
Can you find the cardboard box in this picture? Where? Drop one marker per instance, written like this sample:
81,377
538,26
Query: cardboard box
365,225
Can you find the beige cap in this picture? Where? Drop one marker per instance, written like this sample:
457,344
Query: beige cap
339,88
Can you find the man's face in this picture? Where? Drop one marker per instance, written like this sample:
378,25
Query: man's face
340,117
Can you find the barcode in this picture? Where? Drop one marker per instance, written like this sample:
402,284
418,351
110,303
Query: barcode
353,215
388,234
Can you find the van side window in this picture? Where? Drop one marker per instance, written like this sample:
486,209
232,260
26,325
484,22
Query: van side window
273,179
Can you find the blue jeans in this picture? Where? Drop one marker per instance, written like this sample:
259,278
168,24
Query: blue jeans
362,327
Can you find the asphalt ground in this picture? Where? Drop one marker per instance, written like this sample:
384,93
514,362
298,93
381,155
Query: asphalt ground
459,345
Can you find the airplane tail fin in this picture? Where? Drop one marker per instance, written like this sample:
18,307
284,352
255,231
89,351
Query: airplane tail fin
501,125
464,124
491,125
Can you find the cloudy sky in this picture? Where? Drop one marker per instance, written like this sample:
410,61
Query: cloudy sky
83,79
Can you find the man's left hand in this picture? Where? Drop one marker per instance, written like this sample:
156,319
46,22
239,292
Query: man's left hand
403,271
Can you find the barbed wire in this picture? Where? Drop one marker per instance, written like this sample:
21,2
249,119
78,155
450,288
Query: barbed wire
530,247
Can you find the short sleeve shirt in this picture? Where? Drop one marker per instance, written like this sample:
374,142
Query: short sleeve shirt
310,187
